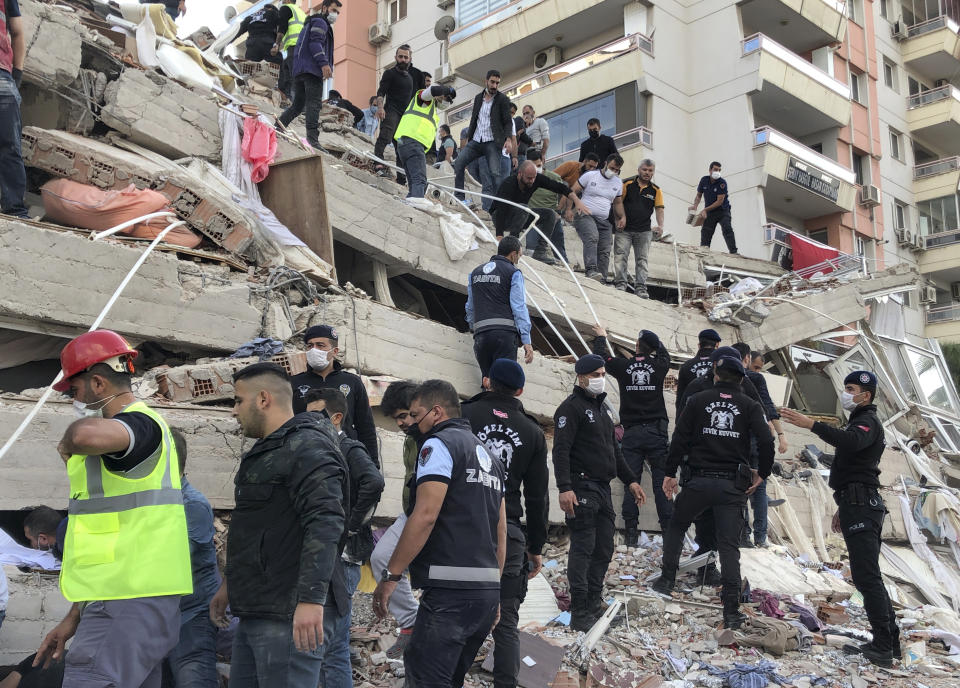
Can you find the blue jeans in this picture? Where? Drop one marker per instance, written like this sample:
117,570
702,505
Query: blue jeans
489,177
414,162
758,503
193,662
264,657
556,238
335,650
13,175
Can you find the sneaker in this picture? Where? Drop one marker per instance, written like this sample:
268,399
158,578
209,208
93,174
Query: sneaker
596,275
642,294
621,286
396,650
544,257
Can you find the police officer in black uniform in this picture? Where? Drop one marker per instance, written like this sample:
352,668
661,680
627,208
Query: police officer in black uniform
855,479
698,366
497,308
500,423
586,457
454,542
643,414
714,432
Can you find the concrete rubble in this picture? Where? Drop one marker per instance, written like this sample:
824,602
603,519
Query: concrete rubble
94,115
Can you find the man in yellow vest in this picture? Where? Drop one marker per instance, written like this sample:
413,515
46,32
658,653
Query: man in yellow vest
126,556
417,132
291,22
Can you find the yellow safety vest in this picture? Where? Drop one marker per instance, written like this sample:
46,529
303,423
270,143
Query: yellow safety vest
126,537
419,123
293,28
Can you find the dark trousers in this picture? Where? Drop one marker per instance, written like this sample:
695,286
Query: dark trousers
726,502
510,220
490,345
307,95
861,526
535,242
193,662
258,49
591,542
451,626
414,163
285,83
513,590
647,443
714,218
13,175
388,127
489,175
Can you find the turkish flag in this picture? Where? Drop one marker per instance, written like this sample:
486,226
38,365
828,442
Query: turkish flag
807,253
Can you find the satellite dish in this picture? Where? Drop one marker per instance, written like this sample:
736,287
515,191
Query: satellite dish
444,27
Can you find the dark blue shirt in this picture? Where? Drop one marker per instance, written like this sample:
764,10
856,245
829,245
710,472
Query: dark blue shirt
203,554
711,189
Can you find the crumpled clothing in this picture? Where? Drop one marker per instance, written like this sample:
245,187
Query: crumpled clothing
808,617
748,675
773,635
769,604
259,147
262,347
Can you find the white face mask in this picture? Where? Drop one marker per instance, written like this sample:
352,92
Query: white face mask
85,411
317,358
596,385
715,175
609,174
847,402
332,17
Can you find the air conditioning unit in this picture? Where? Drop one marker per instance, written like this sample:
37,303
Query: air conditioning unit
547,58
919,242
955,290
928,294
379,33
444,4
443,74
899,30
903,237
869,196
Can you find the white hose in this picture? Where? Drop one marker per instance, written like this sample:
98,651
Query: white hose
96,236
103,314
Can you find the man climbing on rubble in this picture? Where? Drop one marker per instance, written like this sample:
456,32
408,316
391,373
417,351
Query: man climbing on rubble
457,499
586,457
498,420
699,365
289,25
326,371
261,28
13,51
417,132
313,68
397,86
286,535
712,439
519,188
855,479
366,486
395,404
125,491
643,414
496,309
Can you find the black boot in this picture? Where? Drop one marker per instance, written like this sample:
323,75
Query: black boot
581,618
876,655
664,584
732,617
631,537
708,575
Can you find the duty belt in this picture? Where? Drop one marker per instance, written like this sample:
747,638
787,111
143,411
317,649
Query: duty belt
858,494
714,475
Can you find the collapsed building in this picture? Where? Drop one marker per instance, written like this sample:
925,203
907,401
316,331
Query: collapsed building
114,102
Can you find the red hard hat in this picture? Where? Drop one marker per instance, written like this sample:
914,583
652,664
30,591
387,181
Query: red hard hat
91,348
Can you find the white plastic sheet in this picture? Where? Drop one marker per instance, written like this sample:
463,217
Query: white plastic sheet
13,553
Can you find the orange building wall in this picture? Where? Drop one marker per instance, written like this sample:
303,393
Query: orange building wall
354,59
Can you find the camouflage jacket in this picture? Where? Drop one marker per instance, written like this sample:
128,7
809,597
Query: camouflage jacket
288,526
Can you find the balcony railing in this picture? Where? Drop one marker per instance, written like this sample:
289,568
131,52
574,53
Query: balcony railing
942,166
951,236
943,314
844,264
641,136
766,135
759,42
934,95
931,25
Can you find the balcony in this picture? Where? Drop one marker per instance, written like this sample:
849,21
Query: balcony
946,324
791,92
932,48
942,256
494,34
936,179
942,314
797,180
933,117
841,266
801,25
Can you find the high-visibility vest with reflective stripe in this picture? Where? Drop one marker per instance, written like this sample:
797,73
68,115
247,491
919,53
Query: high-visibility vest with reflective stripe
126,537
419,123
293,28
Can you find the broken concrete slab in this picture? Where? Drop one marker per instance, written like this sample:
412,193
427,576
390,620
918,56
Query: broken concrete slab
54,40
213,380
162,115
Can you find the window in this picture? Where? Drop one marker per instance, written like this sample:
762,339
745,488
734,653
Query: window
820,235
816,147
900,214
618,110
858,88
398,10
861,169
938,215
890,76
854,10
896,144
884,9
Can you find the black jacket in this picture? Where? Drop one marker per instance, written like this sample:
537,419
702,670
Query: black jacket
706,382
292,496
509,190
584,446
366,486
359,423
603,146
511,435
690,371
396,88
714,432
641,383
859,447
501,123
769,408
